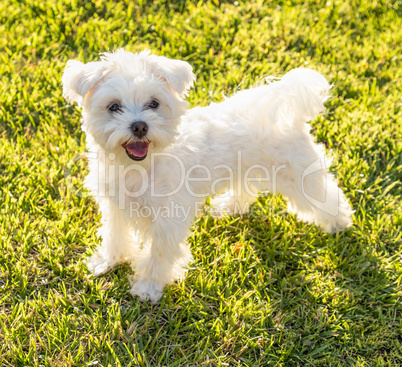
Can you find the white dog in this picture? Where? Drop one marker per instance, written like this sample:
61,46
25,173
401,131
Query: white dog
156,161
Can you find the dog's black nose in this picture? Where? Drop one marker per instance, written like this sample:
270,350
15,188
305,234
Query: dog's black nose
139,128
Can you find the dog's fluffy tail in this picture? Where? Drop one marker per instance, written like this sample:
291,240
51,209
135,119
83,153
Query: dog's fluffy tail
293,100
301,94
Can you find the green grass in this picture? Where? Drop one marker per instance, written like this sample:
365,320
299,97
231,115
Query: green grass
264,290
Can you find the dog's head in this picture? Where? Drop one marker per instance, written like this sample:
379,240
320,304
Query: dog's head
130,101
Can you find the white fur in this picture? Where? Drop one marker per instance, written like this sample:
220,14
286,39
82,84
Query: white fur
264,126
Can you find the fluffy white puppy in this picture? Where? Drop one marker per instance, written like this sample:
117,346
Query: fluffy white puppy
152,162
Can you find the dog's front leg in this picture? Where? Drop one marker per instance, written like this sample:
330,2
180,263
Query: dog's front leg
164,260
117,241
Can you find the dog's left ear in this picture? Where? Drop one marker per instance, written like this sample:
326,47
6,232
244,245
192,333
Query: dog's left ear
177,74
78,79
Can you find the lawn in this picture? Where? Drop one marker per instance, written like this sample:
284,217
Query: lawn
264,289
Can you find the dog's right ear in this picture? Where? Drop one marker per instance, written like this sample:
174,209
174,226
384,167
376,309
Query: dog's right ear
177,74
78,79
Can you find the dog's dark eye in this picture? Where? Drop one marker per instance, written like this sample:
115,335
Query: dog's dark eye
114,107
153,104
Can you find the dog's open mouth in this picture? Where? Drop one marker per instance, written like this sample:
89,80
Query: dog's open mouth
137,150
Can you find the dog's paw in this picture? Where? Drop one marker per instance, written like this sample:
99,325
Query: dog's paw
222,207
147,290
229,206
337,225
97,264
341,221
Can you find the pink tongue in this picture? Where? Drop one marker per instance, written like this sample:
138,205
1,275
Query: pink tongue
138,149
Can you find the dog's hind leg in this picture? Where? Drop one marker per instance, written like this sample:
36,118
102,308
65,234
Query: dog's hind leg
313,194
232,204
